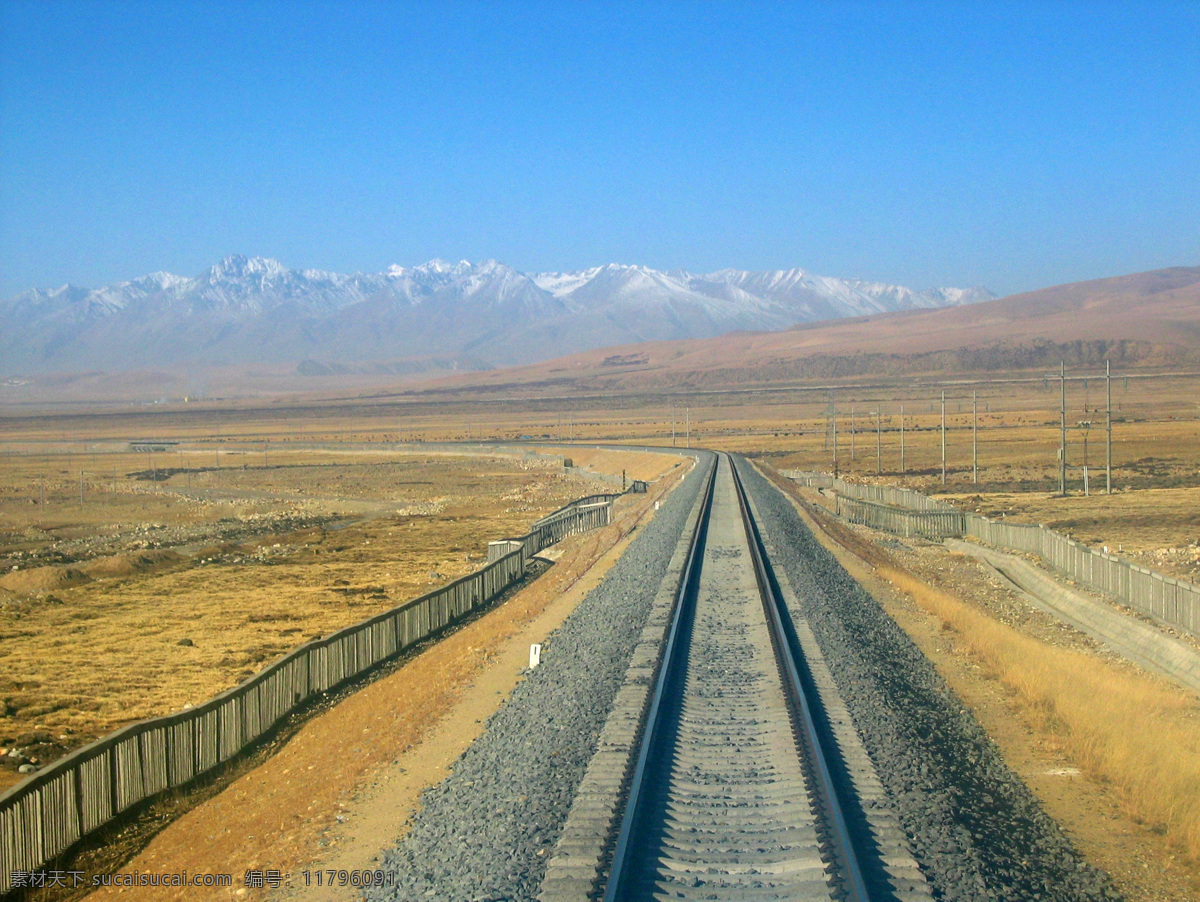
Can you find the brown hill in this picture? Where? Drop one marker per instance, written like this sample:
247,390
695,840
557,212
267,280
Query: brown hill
1149,319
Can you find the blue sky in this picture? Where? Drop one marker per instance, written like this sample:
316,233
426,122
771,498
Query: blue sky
1015,145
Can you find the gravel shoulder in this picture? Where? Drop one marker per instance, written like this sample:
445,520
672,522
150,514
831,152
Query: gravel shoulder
487,831
975,828
1094,813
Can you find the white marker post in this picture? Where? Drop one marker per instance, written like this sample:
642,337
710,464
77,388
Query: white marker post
535,656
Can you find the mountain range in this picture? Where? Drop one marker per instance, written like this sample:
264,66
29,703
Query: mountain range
1147,321
439,315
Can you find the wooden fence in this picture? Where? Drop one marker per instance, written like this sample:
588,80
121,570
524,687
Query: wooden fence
54,808
1173,601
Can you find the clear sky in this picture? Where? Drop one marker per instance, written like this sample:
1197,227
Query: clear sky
1014,145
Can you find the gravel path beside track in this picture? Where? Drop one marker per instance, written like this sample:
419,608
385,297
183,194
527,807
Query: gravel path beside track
486,833
976,830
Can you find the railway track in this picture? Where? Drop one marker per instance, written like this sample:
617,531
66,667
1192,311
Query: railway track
727,802
733,794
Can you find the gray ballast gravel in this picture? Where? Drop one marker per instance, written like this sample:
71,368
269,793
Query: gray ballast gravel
975,829
486,833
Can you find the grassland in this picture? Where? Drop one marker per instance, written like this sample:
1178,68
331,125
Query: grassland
175,578
1091,705
274,521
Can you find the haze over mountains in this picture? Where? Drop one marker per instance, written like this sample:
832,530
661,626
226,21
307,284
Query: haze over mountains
413,319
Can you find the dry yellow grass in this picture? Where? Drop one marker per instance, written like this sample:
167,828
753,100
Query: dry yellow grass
235,588
1130,730
380,730
634,464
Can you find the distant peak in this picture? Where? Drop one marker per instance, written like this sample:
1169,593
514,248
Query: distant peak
231,263
438,265
241,265
492,267
162,279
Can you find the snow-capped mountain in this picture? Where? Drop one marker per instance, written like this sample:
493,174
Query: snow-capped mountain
461,314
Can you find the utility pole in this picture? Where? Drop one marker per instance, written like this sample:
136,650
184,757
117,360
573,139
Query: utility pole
833,407
902,440
81,488
687,413
1062,439
878,441
853,423
672,425
1108,427
835,459
1086,426
829,415
943,438
974,439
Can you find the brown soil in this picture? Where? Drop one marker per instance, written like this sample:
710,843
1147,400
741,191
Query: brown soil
1144,867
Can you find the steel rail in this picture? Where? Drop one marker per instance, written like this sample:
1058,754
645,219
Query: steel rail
667,683
804,722
668,676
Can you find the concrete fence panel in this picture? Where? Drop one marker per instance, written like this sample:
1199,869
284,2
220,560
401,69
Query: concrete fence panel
908,513
931,524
